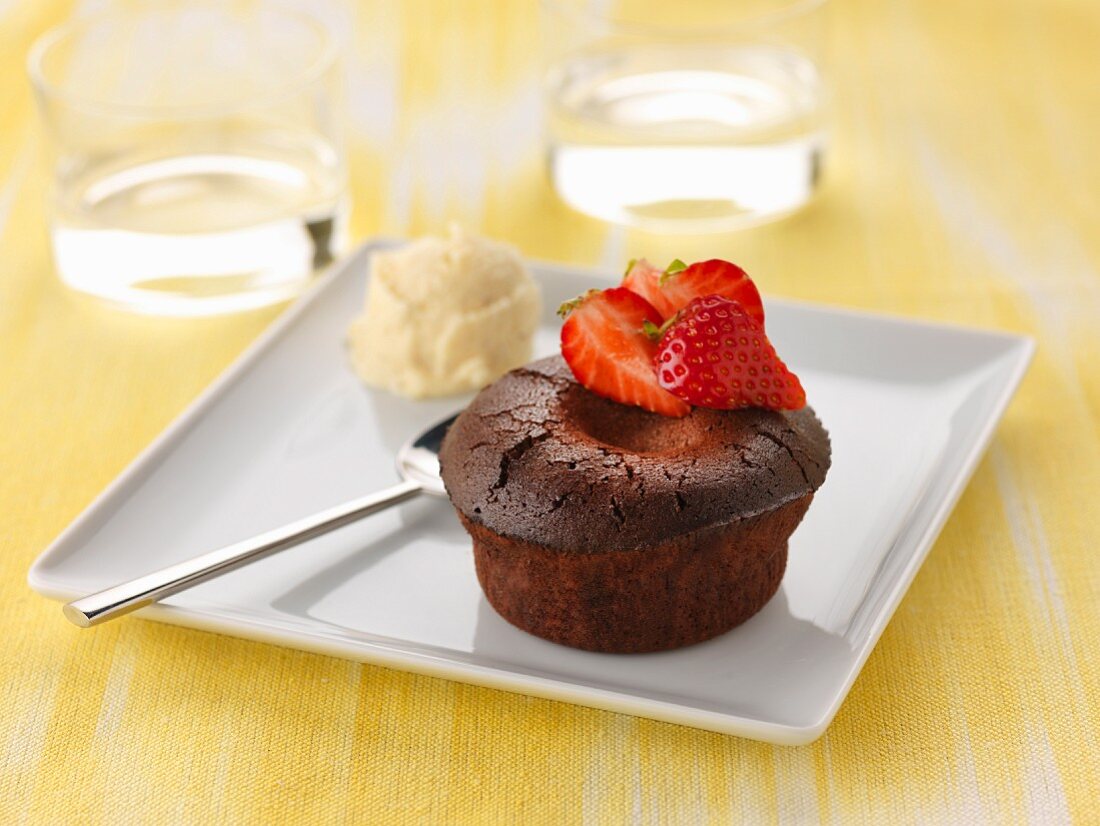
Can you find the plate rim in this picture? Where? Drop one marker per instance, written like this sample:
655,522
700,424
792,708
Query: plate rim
1019,352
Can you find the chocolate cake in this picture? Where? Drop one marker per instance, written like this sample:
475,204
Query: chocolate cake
606,527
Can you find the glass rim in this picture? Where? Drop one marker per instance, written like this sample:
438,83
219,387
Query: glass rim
787,9
325,59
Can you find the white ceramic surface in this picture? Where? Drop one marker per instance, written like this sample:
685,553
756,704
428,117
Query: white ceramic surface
289,430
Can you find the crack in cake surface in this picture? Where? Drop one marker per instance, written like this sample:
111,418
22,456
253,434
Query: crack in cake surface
525,465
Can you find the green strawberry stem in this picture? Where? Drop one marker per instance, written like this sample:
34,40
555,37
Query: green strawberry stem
676,266
569,306
655,333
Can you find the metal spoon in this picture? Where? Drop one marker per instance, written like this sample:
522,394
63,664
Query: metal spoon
417,462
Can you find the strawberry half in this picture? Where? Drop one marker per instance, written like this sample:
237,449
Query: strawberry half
645,279
680,284
715,354
603,343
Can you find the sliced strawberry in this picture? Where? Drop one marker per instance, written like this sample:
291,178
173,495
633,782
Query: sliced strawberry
713,277
603,343
716,355
645,279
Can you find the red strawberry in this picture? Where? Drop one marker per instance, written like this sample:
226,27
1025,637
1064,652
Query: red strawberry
681,284
716,355
603,343
645,279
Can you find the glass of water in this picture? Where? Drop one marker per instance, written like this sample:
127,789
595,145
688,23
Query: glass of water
197,154
694,116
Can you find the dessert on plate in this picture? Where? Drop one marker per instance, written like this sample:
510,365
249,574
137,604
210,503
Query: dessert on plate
636,493
444,316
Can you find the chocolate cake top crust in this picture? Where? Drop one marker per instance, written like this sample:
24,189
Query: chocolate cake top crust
537,457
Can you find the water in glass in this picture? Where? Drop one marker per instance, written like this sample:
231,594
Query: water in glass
217,229
671,137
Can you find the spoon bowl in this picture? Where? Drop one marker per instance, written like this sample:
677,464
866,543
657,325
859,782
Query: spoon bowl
418,458
417,462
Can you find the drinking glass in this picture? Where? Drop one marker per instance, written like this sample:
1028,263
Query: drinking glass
695,116
197,154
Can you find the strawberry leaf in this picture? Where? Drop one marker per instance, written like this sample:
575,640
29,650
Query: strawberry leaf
569,306
676,266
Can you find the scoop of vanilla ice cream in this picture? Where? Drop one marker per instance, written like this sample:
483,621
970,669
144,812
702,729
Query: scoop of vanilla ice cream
444,315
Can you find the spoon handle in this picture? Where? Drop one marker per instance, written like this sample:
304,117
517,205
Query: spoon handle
145,590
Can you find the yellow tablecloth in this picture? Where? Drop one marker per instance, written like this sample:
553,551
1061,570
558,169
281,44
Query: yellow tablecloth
964,186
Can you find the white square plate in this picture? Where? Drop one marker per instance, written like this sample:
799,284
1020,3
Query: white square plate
289,430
